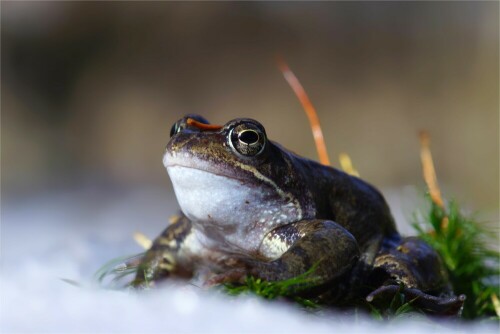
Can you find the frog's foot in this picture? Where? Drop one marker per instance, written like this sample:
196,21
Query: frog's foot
429,303
237,269
231,276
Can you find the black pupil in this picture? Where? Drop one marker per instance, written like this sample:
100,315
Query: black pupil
249,137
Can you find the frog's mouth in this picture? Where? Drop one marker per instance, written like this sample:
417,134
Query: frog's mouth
242,173
187,169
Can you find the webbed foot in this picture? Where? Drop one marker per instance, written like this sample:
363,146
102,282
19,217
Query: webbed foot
429,303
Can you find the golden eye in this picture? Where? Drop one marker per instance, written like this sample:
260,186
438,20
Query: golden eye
247,139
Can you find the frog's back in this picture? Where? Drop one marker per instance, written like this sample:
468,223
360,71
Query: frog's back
349,201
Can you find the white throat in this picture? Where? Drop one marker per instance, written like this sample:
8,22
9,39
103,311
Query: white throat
242,212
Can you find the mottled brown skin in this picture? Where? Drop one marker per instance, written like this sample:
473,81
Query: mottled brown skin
345,229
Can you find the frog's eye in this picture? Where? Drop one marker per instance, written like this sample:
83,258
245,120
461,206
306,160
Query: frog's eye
247,139
175,128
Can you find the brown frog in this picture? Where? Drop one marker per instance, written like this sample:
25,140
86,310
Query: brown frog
251,207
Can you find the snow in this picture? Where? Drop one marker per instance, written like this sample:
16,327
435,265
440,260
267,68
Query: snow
71,234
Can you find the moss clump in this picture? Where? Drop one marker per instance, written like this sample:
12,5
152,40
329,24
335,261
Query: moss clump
287,289
466,249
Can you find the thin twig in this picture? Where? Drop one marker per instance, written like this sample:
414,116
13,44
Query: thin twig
308,108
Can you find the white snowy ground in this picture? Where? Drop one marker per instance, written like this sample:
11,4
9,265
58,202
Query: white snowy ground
71,234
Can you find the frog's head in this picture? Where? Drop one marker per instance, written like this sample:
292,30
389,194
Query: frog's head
232,178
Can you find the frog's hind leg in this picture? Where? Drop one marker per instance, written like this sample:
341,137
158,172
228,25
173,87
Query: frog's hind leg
161,260
413,268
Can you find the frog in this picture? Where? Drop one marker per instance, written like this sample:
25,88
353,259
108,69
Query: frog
252,208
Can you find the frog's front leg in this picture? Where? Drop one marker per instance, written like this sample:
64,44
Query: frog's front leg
293,249
163,258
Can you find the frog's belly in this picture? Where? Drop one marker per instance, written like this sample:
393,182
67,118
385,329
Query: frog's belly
241,211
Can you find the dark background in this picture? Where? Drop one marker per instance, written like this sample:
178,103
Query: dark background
90,90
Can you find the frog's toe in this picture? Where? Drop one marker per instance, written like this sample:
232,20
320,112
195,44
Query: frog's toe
429,303
231,276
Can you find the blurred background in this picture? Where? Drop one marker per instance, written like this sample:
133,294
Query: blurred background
90,90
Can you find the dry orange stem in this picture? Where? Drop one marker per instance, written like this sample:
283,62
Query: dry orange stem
309,109
428,169
430,173
203,126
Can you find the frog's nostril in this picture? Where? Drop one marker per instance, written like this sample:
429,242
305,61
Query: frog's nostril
248,137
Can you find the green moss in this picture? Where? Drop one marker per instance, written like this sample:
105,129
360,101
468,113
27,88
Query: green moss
280,289
466,249
113,273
